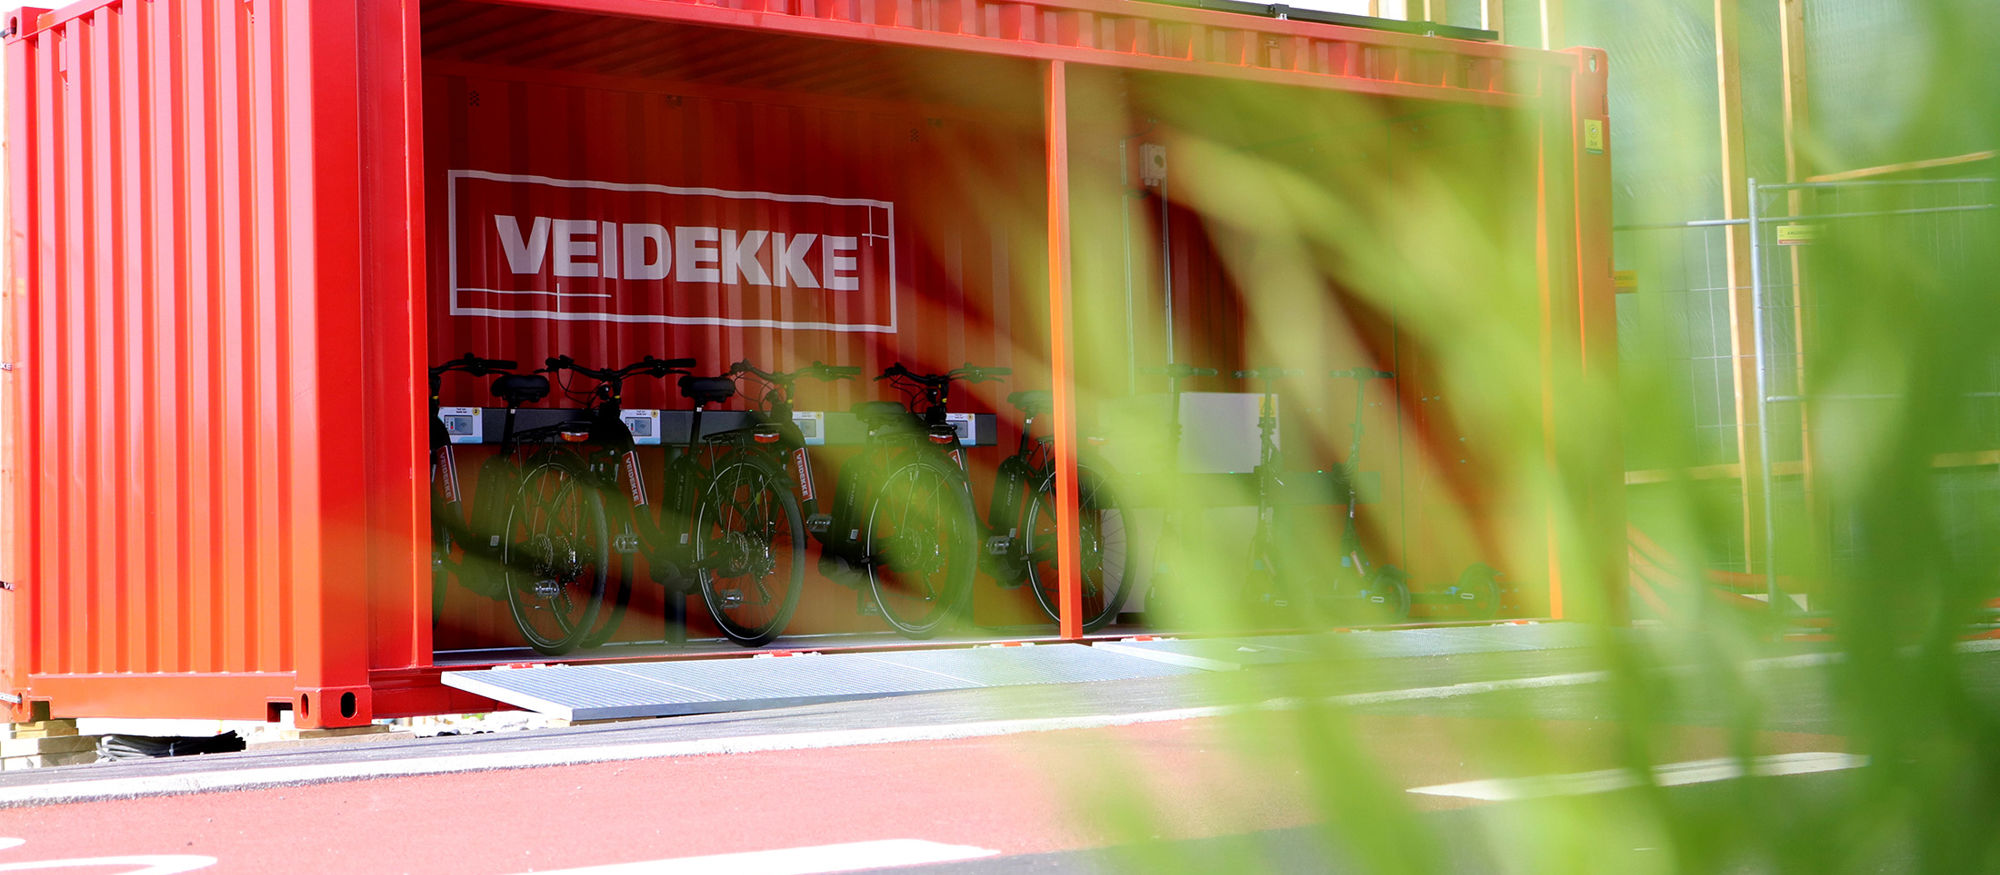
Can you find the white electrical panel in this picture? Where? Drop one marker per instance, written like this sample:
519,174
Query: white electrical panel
1152,164
644,425
812,423
1218,430
466,425
966,426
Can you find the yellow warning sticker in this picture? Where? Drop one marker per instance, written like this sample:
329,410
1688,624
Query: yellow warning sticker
1625,281
1796,235
1593,136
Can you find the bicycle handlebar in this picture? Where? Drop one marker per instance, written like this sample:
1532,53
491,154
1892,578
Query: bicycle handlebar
1268,373
1179,371
970,373
816,370
657,367
1362,374
475,366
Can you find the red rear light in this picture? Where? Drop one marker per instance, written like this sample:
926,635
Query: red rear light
764,438
943,439
576,437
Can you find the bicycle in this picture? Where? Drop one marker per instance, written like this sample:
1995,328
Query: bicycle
726,525
549,547
1023,537
902,510
450,529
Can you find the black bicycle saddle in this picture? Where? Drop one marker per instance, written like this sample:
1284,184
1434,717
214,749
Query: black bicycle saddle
519,389
707,390
879,413
1032,401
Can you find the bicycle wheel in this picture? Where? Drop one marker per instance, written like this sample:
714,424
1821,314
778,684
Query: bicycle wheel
922,545
749,541
441,545
1386,598
555,556
1102,540
620,587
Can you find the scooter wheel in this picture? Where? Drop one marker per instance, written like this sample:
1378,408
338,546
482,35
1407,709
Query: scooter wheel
1387,594
1479,591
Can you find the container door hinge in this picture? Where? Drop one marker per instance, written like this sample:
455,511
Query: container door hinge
6,366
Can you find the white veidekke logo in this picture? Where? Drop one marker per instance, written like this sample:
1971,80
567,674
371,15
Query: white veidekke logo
537,247
689,254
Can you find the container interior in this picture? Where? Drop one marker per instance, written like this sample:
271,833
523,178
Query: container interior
549,135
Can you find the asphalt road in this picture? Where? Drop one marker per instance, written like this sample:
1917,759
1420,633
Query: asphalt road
1231,770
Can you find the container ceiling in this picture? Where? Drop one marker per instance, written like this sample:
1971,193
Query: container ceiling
516,36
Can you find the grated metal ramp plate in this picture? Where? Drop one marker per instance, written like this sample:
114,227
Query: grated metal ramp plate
1225,654
658,689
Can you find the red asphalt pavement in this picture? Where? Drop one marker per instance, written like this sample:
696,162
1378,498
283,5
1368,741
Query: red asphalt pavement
1013,794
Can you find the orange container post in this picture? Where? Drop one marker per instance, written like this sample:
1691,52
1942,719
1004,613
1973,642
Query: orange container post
232,247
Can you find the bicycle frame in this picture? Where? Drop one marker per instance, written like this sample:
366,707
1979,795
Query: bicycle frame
449,524
658,531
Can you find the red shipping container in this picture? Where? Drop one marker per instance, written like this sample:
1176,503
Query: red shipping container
231,251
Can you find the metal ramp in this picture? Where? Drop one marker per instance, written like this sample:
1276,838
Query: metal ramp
1227,654
677,687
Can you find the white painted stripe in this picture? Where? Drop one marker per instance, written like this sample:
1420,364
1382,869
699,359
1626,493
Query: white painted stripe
850,857
1666,775
236,779
144,864
1170,657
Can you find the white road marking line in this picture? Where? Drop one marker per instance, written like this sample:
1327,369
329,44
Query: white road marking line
149,864
240,779
1666,775
849,857
1186,660
156,864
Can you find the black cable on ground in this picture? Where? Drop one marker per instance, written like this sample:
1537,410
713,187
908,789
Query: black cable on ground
132,747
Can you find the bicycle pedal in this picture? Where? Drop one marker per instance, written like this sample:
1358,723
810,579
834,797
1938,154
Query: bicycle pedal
730,598
998,545
547,589
819,523
839,571
625,542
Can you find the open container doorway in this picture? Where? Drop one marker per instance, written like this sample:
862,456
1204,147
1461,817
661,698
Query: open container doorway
1246,226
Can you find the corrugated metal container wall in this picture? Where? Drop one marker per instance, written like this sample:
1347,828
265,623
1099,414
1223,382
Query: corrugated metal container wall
198,434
